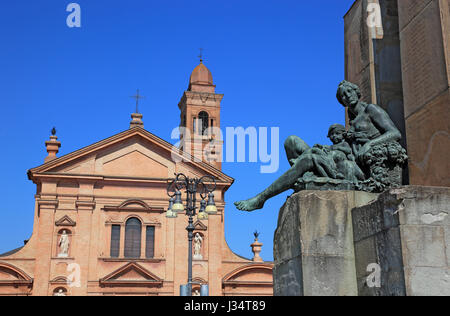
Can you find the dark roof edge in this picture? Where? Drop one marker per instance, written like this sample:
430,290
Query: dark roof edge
11,252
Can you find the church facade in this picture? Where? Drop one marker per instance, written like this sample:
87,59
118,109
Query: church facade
100,225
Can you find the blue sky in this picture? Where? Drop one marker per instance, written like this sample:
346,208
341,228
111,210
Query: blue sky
277,62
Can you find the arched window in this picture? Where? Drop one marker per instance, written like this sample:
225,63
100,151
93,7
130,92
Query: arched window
133,229
203,119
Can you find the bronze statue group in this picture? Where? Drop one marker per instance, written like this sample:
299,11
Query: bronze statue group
366,157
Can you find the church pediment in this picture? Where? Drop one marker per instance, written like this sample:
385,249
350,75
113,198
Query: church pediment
136,163
65,221
131,274
200,226
134,153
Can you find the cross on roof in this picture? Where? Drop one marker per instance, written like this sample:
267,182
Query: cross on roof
137,97
201,55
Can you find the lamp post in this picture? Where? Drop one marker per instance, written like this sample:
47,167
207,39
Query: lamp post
205,187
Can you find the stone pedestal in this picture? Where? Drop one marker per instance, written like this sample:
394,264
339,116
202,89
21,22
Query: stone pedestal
313,244
406,231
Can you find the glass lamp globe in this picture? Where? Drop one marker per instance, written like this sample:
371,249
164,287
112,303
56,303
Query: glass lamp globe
211,207
170,213
178,206
201,214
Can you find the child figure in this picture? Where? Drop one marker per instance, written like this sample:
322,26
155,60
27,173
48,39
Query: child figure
342,154
334,162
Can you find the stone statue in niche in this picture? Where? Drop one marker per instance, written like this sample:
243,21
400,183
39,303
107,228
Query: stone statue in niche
367,157
64,244
198,242
60,292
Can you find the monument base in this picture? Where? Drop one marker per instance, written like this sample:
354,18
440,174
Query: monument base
346,243
313,244
406,232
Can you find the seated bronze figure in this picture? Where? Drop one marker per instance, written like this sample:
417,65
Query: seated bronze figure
367,157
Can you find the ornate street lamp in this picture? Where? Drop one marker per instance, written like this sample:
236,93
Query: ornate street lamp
205,187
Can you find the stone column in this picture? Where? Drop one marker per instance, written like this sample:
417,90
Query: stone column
313,244
45,246
215,235
82,249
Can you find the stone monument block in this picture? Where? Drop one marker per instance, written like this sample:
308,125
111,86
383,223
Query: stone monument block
377,244
429,143
406,232
407,73
410,9
313,244
423,58
348,243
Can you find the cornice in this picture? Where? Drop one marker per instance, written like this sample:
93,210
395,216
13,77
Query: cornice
43,202
89,205
17,283
109,208
106,178
127,260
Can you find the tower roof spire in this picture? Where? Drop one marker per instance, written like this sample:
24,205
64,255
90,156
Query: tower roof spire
201,79
201,55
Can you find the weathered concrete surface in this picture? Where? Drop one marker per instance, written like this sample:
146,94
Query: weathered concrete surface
313,244
328,243
377,241
407,232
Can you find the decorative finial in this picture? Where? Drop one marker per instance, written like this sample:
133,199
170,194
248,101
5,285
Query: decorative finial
137,97
256,248
201,55
52,146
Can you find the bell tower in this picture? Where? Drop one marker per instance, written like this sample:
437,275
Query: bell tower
200,117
